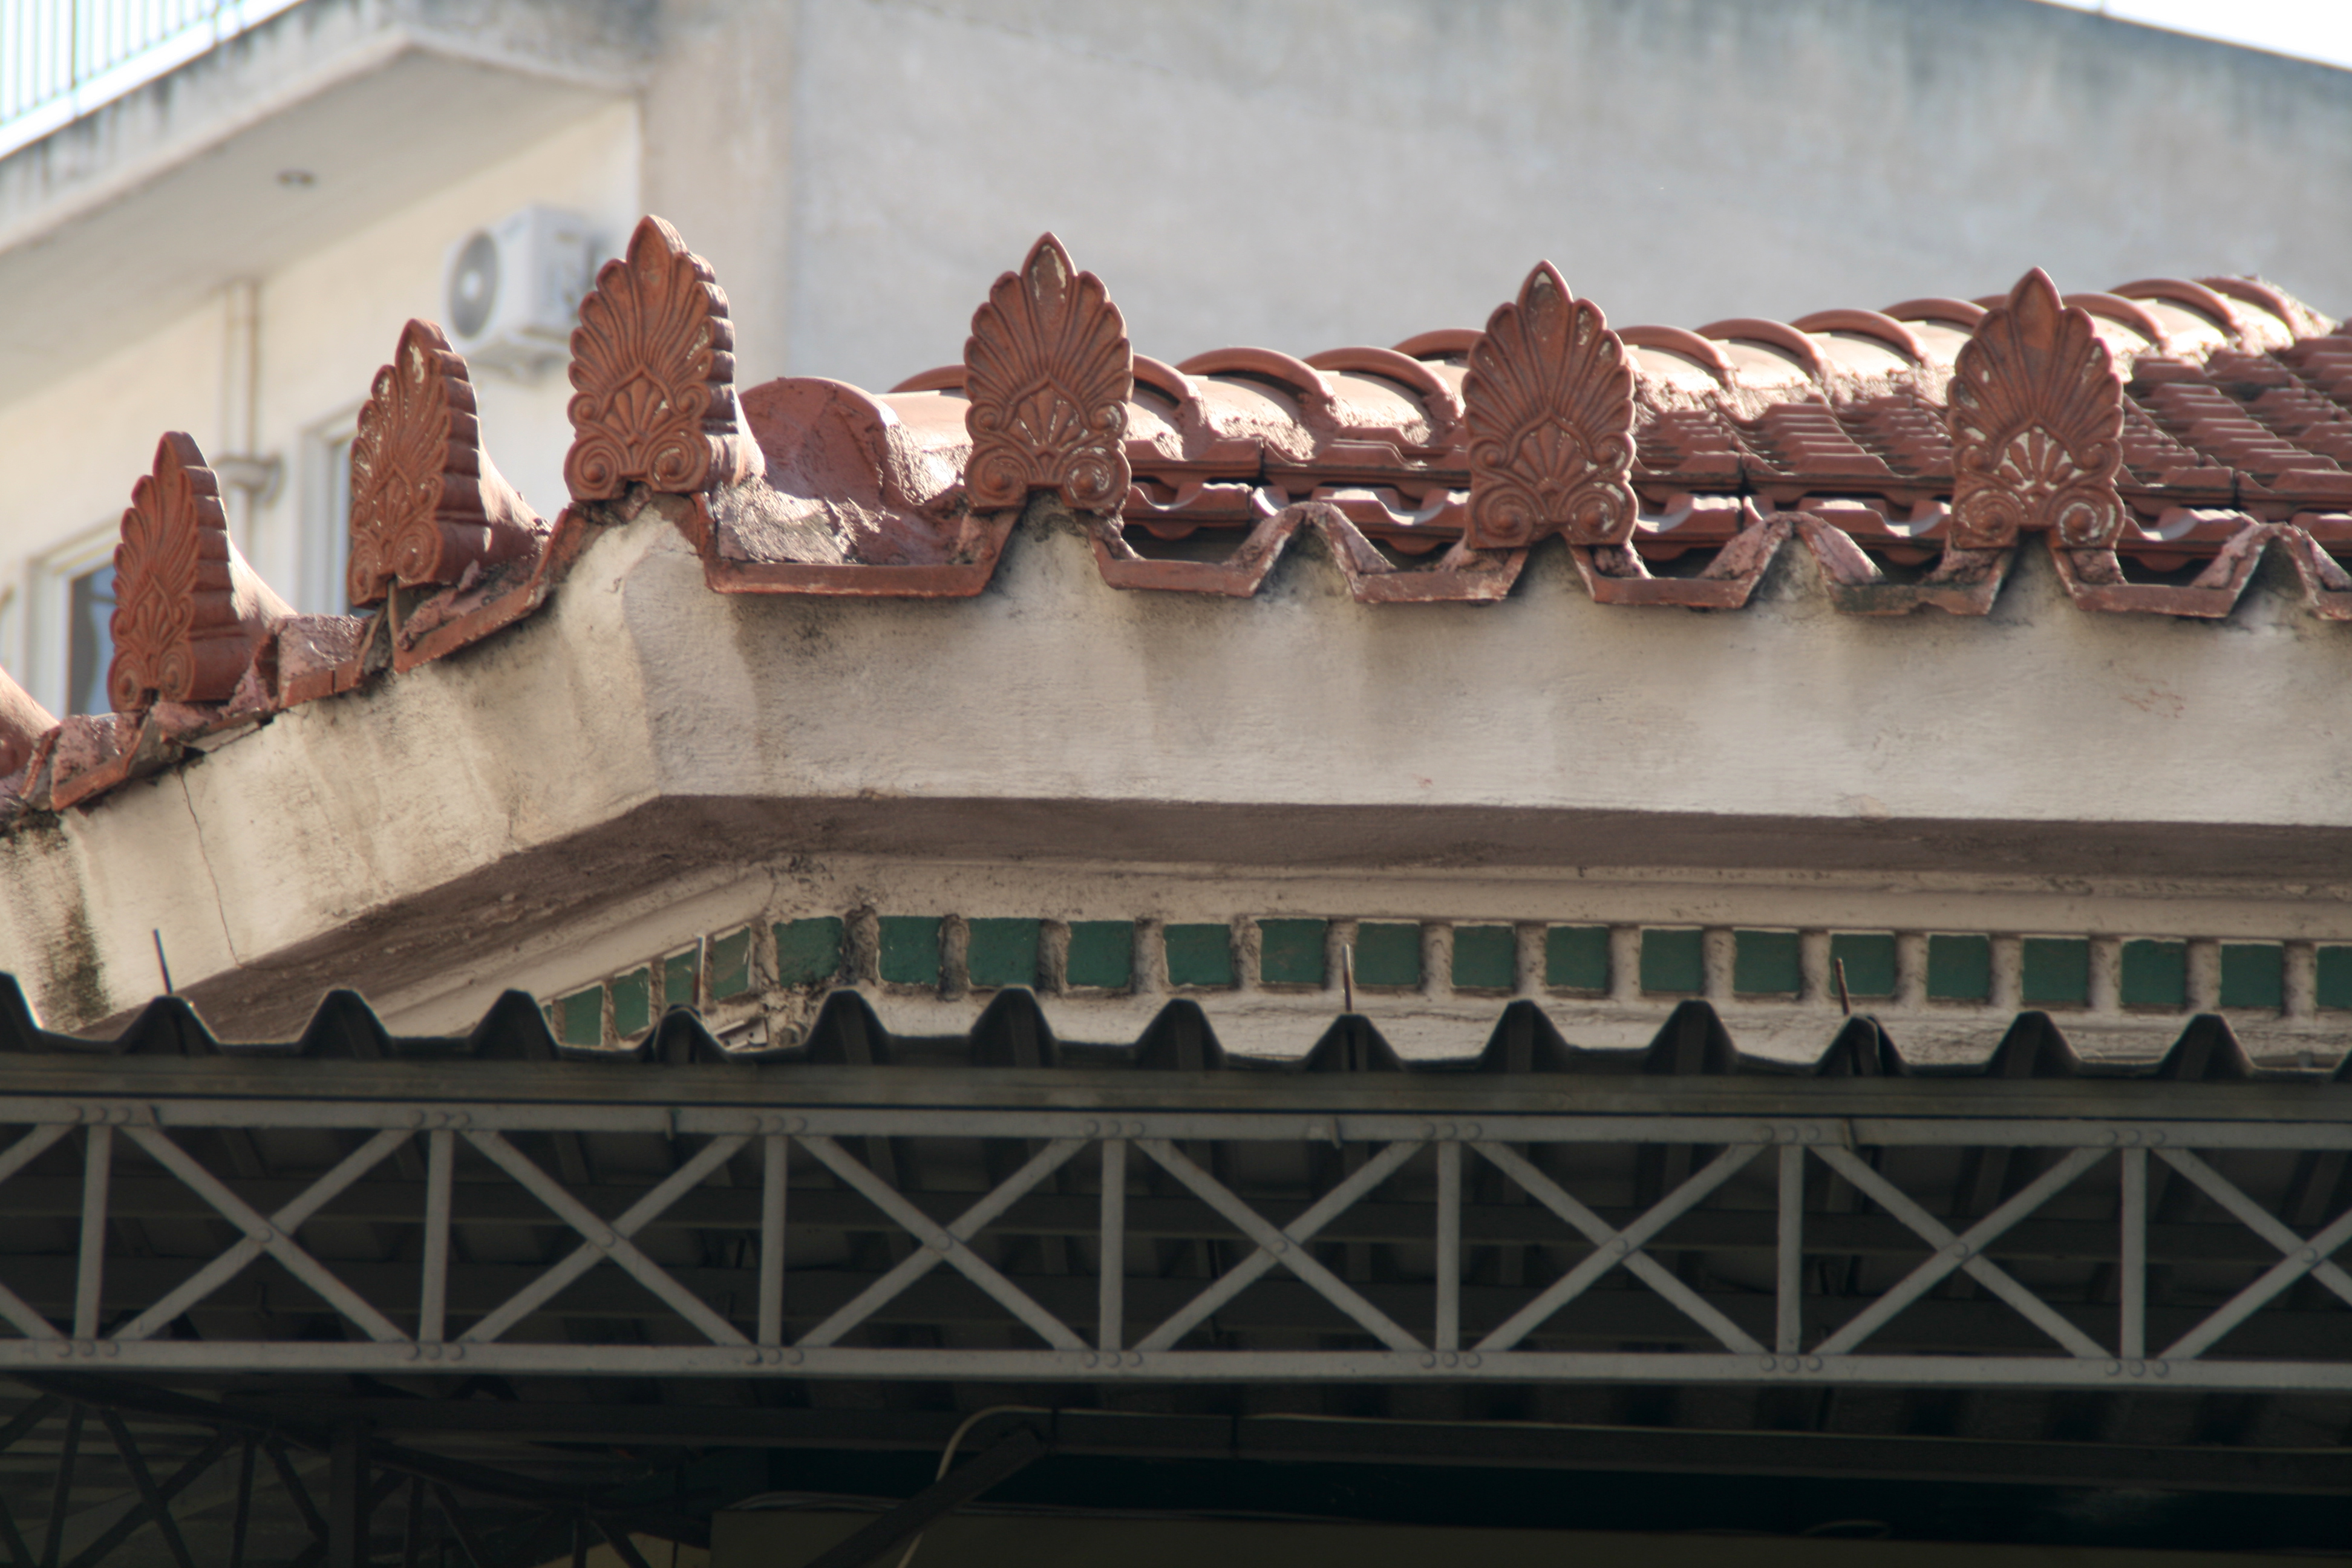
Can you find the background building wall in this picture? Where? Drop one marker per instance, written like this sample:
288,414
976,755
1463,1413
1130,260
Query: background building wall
1305,173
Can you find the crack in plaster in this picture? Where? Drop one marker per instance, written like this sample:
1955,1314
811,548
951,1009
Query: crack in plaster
220,904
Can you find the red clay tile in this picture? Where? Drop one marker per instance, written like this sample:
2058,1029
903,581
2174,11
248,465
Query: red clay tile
1049,373
2164,435
653,366
427,504
2036,419
189,613
23,722
1548,402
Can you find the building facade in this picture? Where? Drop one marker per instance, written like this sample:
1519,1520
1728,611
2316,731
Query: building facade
1608,930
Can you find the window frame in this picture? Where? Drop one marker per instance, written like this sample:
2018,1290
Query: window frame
323,544
49,612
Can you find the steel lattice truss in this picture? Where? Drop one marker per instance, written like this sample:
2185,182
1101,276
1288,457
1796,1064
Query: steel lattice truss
1746,1220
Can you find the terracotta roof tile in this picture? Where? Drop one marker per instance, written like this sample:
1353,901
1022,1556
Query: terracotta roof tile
23,721
2165,435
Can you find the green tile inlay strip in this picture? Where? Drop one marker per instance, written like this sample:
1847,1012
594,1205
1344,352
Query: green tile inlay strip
910,950
1576,958
580,1018
2155,974
679,977
1674,960
632,1003
2055,972
1102,954
2335,976
1869,960
1959,968
2254,975
808,952
1388,954
1485,958
1290,952
1002,952
1200,955
730,965
1765,963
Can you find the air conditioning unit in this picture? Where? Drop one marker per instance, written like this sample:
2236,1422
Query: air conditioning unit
510,293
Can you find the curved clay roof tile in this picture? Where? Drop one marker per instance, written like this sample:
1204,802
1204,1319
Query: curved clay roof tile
938,378
2116,308
1683,341
1272,365
1163,376
1445,342
1444,405
23,721
1771,334
2195,297
2291,312
1868,324
1962,313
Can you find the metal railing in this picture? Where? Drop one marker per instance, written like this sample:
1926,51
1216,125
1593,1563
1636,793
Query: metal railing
60,59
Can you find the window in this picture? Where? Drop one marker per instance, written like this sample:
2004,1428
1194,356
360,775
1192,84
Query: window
89,639
65,624
330,553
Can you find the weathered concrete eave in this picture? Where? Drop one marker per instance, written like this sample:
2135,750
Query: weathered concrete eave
645,741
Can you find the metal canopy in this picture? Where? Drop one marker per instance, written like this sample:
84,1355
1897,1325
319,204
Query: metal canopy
1858,1275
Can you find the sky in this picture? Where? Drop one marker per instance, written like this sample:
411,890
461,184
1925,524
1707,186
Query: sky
2311,29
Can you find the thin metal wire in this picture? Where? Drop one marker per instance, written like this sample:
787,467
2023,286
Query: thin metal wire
948,1454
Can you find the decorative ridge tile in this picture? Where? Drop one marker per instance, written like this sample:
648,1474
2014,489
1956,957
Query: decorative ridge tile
428,506
2165,435
23,722
190,614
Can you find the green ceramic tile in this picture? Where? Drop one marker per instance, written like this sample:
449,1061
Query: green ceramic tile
632,1003
1102,954
1200,955
910,949
1766,964
1869,960
2335,976
1959,968
1290,952
1674,960
2254,975
1576,958
1388,952
808,952
1485,958
2055,972
2155,974
730,965
1002,952
580,1018
679,978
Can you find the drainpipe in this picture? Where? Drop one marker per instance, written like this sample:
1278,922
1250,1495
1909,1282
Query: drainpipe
248,480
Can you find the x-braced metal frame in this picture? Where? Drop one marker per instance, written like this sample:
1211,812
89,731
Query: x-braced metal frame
414,1333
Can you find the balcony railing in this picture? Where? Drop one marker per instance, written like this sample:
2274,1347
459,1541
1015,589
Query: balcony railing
60,59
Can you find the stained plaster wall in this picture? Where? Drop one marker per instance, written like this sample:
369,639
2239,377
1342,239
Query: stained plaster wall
648,763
